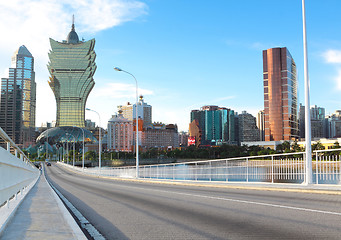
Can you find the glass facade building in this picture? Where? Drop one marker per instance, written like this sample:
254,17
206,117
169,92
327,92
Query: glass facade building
18,99
216,124
71,67
280,95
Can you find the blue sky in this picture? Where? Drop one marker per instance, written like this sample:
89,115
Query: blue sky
184,54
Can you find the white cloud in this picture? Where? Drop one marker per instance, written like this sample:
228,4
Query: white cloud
33,22
332,56
119,91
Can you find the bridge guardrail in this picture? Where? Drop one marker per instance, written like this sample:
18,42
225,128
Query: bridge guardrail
277,168
16,171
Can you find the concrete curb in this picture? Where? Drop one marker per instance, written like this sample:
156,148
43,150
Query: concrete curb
7,213
77,232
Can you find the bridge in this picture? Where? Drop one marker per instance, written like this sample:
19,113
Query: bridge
263,197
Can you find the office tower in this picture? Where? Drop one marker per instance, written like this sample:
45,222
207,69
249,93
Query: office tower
215,124
318,116
334,125
120,133
194,133
161,136
248,131
318,122
280,95
260,125
72,67
183,139
144,111
301,121
18,99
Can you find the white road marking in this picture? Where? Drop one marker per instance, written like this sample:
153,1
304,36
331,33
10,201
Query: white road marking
242,201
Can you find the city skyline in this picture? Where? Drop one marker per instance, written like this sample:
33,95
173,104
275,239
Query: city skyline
183,58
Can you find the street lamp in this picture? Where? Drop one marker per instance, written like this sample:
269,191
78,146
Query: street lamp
308,160
67,148
137,121
83,146
100,142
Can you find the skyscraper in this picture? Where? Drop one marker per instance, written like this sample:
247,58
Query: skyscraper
248,130
144,111
215,124
280,95
18,99
260,125
72,67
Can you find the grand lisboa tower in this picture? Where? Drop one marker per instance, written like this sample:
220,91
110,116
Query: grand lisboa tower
71,67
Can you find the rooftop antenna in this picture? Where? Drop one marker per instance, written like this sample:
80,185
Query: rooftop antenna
73,22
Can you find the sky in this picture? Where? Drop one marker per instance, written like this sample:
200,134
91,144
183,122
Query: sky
184,53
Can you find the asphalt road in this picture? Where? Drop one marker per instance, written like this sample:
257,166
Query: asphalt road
133,210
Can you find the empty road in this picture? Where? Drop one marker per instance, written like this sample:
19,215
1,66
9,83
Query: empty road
134,210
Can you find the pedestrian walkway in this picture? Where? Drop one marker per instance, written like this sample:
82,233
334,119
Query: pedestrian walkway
42,215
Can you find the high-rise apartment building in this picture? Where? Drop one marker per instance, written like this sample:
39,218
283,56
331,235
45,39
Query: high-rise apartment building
301,121
261,125
144,111
248,131
280,95
161,136
120,134
334,125
18,99
72,67
318,122
318,128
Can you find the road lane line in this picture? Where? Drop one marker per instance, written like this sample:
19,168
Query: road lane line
243,201
235,200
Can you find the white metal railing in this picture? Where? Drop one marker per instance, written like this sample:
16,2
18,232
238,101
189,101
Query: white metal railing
284,168
16,171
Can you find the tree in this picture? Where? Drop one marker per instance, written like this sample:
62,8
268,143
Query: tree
317,146
296,148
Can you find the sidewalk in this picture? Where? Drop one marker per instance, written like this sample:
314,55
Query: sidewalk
42,215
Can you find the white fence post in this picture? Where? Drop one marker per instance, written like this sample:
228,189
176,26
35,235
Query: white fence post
317,168
247,169
272,169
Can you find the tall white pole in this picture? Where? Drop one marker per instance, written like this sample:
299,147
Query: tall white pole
308,159
137,121
83,146
100,141
47,145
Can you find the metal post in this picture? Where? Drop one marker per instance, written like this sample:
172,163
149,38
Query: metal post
8,146
137,121
247,169
317,169
67,151
272,169
100,141
47,145
309,170
73,162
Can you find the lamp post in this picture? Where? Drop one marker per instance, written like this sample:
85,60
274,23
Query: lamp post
137,120
83,146
47,145
308,160
100,142
67,148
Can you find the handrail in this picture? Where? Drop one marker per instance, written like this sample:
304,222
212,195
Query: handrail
6,138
